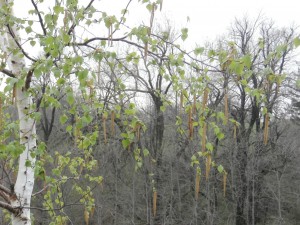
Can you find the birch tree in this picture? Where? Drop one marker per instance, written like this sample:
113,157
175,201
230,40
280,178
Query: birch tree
18,198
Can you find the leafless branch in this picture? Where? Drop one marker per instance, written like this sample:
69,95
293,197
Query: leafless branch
10,31
40,17
74,25
9,207
8,73
5,190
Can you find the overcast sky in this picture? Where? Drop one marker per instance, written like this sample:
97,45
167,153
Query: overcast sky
208,18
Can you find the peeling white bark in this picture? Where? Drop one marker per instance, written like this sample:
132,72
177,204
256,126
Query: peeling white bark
25,179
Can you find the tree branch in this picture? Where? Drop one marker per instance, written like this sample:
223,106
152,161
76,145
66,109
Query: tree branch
9,207
5,190
74,25
8,73
10,31
40,17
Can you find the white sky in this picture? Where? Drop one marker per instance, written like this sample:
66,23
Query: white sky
208,18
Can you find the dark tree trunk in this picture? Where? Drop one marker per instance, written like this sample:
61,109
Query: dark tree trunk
241,188
157,150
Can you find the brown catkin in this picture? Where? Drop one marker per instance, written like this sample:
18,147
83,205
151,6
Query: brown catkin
138,131
194,105
226,108
224,183
208,165
91,95
197,186
154,202
86,217
205,99
234,131
92,211
65,20
112,123
266,129
203,138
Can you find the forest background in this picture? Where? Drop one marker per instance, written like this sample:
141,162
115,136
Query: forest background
109,120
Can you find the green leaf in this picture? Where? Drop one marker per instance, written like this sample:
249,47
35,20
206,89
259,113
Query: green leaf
28,29
27,163
198,51
63,119
220,136
209,147
146,152
296,42
184,33
163,108
125,143
58,9
220,169
61,81
193,158
32,43
70,98
298,83
69,129
247,61
66,38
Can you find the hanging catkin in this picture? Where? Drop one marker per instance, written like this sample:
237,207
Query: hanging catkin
197,185
86,217
205,98
92,211
138,131
224,183
194,105
208,165
266,128
234,131
154,202
112,123
203,138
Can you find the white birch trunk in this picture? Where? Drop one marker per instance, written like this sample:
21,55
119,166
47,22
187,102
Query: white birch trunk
25,179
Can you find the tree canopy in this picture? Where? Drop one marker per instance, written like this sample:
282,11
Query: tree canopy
103,122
